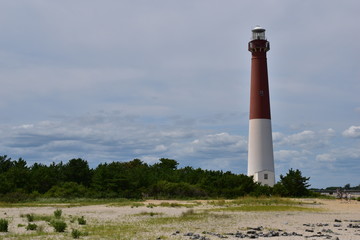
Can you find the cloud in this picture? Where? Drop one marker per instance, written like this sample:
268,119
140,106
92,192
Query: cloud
307,139
291,155
219,143
325,157
352,132
116,136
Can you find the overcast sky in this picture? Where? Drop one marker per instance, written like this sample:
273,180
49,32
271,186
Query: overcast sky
115,80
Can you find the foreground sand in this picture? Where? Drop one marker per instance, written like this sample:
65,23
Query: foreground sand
332,219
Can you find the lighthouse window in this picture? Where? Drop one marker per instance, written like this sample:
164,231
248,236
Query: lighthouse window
261,92
266,176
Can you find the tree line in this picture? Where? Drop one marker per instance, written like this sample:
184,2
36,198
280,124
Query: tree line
133,179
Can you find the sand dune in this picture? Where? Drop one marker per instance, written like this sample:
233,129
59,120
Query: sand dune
333,219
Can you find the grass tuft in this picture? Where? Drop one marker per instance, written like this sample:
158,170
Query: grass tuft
59,225
151,214
30,217
57,213
81,220
31,226
4,225
75,233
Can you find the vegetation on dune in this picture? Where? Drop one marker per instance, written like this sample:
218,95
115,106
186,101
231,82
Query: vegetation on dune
265,208
267,201
132,180
4,223
260,204
142,225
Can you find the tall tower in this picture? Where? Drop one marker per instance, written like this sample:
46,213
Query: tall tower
260,156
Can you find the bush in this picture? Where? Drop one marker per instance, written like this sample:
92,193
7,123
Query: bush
31,226
81,221
16,197
59,225
30,217
4,225
57,213
68,190
75,233
261,191
169,190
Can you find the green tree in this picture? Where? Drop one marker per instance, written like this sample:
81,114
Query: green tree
43,177
293,184
17,175
5,164
112,180
77,170
166,163
165,170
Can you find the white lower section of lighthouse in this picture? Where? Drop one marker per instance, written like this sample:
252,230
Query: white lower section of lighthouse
261,157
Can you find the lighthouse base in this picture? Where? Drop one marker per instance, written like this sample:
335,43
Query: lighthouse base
265,178
261,156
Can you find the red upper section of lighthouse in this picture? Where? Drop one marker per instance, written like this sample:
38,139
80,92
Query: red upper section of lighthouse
259,93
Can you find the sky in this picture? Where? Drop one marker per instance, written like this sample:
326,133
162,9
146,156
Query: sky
116,80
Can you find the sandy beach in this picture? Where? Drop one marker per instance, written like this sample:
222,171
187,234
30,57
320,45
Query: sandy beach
166,219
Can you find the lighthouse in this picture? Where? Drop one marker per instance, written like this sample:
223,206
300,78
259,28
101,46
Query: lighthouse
260,149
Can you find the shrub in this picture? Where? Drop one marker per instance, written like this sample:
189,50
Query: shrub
81,221
4,225
75,233
67,190
31,226
16,197
57,213
181,189
59,225
30,217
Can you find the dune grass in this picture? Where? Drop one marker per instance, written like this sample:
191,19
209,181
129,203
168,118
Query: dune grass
255,201
73,202
265,208
261,204
111,230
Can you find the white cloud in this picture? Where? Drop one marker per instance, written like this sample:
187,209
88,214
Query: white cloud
277,136
352,132
307,139
325,157
348,154
220,142
329,132
291,155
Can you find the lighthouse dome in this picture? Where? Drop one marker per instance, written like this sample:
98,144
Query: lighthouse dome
258,29
258,33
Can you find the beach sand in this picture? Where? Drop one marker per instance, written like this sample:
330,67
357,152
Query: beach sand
331,219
